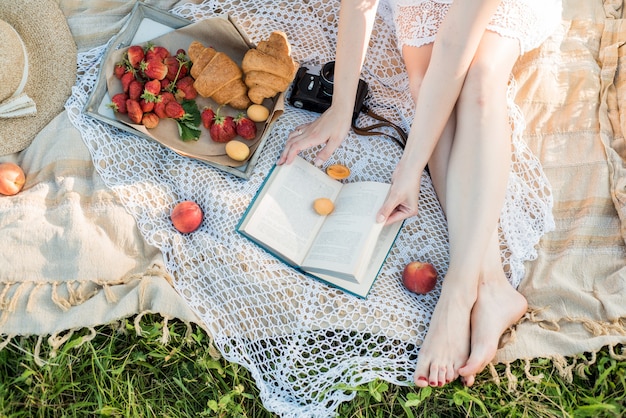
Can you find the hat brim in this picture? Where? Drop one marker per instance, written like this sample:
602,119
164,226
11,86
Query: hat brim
51,67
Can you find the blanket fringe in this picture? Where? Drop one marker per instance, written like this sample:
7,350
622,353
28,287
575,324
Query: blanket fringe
57,340
6,341
535,379
66,294
616,356
27,295
567,367
9,299
30,303
37,354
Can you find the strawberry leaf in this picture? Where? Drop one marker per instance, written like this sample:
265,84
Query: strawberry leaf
189,125
192,113
187,133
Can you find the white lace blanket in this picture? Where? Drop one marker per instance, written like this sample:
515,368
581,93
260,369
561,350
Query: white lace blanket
300,339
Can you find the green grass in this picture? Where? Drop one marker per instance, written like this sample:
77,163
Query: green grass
120,374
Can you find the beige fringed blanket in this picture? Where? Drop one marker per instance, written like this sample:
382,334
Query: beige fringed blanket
72,255
573,93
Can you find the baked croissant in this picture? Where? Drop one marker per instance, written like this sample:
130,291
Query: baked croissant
268,69
217,76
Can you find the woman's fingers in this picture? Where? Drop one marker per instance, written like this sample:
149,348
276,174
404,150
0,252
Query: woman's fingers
402,199
307,136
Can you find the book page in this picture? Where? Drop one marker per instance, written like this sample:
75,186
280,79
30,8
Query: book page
282,218
374,264
346,241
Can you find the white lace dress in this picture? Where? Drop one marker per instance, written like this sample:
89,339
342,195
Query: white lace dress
528,21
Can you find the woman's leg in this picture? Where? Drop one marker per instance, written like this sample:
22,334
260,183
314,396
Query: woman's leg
498,304
416,62
472,180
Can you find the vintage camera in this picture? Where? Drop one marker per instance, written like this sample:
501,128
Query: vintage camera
313,89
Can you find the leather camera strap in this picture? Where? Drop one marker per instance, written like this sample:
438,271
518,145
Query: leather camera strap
383,122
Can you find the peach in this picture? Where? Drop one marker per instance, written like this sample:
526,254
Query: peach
237,150
187,216
323,206
12,179
258,113
419,277
338,171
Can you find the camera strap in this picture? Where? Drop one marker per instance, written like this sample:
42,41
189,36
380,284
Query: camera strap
382,122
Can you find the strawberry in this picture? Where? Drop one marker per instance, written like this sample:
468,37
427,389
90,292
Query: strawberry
126,79
175,68
245,127
119,70
154,68
118,102
223,129
185,88
174,110
135,90
135,55
134,111
207,116
150,120
146,106
162,101
167,85
156,51
151,90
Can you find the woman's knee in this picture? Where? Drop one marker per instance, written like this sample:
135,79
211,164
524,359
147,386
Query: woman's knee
489,73
485,85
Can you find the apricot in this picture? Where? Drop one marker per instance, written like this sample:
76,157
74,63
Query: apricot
237,150
12,179
323,206
338,171
419,277
186,216
258,113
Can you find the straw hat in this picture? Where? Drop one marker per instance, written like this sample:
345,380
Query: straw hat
38,56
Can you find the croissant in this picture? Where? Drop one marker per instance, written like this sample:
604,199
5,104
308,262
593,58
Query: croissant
268,68
217,76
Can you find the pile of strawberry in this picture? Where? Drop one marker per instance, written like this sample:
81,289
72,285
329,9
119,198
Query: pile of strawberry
225,128
157,85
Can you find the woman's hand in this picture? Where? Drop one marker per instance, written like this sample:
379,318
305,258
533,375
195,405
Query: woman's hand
330,128
403,197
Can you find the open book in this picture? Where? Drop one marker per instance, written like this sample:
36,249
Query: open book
346,248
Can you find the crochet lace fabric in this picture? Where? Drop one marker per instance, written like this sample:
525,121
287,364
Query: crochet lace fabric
303,341
528,21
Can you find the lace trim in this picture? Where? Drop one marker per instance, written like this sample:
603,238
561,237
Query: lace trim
530,21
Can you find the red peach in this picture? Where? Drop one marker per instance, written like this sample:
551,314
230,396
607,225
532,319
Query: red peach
12,179
419,277
187,216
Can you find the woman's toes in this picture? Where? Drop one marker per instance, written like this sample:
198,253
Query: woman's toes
450,375
420,380
442,376
468,381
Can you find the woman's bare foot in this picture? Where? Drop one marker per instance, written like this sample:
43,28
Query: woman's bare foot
447,343
497,307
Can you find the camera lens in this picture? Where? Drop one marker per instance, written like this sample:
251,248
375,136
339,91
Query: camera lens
327,76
